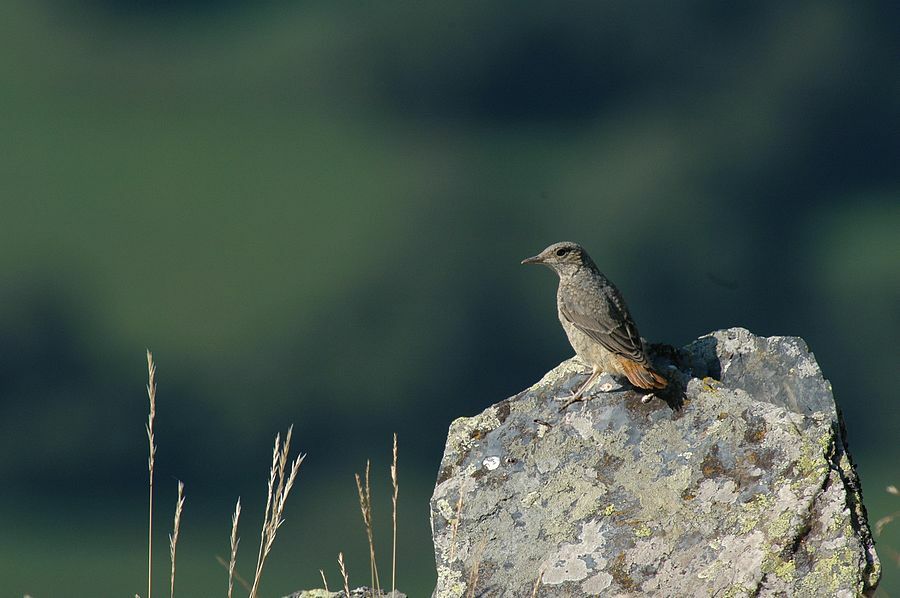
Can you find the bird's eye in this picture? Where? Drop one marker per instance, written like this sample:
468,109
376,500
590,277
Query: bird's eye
562,251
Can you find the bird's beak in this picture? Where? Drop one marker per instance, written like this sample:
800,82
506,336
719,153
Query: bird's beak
536,259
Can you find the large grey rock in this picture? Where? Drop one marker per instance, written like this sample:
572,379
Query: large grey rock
361,592
746,489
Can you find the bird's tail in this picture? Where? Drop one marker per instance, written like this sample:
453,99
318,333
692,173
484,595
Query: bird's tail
642,375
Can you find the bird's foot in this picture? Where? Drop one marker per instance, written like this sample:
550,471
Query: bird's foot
576,397
579,395
569,395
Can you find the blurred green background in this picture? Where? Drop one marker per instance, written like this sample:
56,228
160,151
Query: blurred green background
313,213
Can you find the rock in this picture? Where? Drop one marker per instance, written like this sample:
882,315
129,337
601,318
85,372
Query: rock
361,592
747,489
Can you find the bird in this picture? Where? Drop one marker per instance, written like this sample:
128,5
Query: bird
597,321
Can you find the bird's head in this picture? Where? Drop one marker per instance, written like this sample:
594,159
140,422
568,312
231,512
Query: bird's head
562,257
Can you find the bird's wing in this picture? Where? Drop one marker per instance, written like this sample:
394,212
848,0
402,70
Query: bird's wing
608,322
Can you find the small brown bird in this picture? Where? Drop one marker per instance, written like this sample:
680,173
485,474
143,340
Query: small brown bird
596,319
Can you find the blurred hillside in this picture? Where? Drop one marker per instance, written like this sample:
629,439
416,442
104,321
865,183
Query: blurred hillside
314,213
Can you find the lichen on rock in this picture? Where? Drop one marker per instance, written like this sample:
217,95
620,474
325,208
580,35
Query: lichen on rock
746,489
361,592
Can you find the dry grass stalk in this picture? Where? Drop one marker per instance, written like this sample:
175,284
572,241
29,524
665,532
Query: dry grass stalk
454,525
344,574
237,576
365,506
537,584
881,523
151,393
173,537
276,458
394,518
324,581
279,487
235,541
473,575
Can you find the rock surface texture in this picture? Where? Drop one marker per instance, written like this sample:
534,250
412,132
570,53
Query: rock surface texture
747,489
361,592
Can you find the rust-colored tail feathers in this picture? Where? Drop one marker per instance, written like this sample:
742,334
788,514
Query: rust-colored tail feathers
642,376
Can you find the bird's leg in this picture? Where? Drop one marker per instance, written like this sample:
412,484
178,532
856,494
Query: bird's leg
577,396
